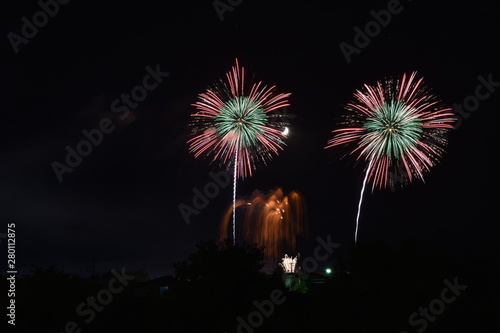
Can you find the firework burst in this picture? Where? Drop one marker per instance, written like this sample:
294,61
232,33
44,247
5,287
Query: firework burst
236,127
398,128
275,220
230,120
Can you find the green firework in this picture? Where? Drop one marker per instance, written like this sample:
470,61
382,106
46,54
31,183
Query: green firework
393,130
244,117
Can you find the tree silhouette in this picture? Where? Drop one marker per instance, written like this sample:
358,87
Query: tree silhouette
221,261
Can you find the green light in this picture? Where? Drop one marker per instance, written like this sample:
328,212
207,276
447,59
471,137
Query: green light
393,130
243,117
328,271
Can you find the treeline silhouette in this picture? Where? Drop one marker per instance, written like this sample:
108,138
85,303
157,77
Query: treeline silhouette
215,289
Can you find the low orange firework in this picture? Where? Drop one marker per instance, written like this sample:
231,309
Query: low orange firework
274,221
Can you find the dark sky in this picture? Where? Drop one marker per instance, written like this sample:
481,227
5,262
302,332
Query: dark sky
120,205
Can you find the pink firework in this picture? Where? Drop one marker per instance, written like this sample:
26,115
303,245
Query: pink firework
234,125
237,126
399,128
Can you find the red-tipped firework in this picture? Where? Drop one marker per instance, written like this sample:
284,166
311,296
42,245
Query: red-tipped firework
236,127
398,128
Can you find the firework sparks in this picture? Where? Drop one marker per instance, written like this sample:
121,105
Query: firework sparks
274,221
398,127
236,127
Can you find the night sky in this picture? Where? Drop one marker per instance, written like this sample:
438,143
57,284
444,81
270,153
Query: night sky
120,204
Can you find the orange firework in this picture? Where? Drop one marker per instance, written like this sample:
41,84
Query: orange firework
274,221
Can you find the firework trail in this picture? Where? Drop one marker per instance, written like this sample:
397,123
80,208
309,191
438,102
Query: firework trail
399,127
236,127
274,220
234,195
361,201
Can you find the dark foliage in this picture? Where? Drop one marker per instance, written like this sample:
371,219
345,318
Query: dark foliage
219,286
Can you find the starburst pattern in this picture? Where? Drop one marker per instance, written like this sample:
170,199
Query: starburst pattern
398,127
231,121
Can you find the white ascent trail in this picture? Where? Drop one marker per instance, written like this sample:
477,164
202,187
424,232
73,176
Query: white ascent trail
361,200
234,194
